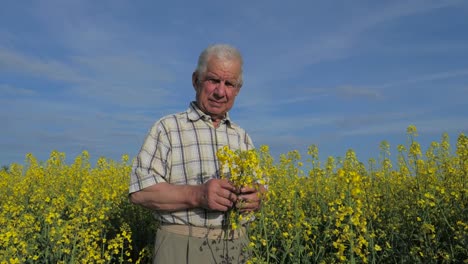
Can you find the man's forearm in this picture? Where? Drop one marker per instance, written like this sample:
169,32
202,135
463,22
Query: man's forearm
169,197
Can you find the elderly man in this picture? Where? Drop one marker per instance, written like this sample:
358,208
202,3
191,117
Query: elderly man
177,173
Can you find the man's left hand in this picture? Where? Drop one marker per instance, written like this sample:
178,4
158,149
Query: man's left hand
249,199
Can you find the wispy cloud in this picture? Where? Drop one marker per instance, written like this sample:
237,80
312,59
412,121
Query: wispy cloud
51,69
427,78
122,79
358,92
95,75
65,126
125,80
8,90
344,38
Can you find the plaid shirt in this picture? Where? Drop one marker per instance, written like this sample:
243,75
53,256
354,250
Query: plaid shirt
181,149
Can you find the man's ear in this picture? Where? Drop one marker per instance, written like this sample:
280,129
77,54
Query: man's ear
195,80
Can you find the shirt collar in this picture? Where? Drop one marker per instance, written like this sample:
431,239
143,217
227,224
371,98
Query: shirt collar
195,114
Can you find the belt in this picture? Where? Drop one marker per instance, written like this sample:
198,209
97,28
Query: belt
204,232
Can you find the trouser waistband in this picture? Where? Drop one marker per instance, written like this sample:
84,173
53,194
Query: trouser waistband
204,232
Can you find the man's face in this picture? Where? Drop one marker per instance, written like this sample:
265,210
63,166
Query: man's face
218,87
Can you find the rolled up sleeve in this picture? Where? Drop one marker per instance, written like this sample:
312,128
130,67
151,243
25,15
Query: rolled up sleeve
151,166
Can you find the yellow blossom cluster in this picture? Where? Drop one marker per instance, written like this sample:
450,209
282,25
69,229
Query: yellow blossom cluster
243,169
52,212
407,207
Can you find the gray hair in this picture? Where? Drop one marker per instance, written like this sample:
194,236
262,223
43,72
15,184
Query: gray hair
219,51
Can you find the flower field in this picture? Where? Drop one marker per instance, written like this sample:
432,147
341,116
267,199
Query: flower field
405,207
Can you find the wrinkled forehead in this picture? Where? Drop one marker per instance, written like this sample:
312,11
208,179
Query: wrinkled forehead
224,67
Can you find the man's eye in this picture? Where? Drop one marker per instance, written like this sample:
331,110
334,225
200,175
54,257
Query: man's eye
230,84
213,81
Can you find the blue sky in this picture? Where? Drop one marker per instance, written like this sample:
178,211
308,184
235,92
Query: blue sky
95,75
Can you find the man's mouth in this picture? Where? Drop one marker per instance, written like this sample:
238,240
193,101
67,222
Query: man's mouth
216,102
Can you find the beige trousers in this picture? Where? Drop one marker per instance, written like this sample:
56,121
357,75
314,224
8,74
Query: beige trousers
173,248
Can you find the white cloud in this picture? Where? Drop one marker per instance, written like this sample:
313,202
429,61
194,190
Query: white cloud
8,90
428,77
117,71
123,80
40,126
125,66
359,92
51,69
342,37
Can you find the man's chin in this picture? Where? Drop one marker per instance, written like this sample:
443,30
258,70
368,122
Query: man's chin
217,110
217,114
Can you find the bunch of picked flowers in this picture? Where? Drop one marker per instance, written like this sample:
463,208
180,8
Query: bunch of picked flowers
242,169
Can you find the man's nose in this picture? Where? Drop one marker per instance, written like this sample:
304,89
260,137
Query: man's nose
220,89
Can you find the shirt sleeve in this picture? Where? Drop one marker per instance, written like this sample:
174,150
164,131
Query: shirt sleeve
152,163
249,142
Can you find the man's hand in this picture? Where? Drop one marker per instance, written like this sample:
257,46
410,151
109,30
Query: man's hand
250,198
218,195
215,194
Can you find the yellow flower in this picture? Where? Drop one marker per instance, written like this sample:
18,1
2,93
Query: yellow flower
377,248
